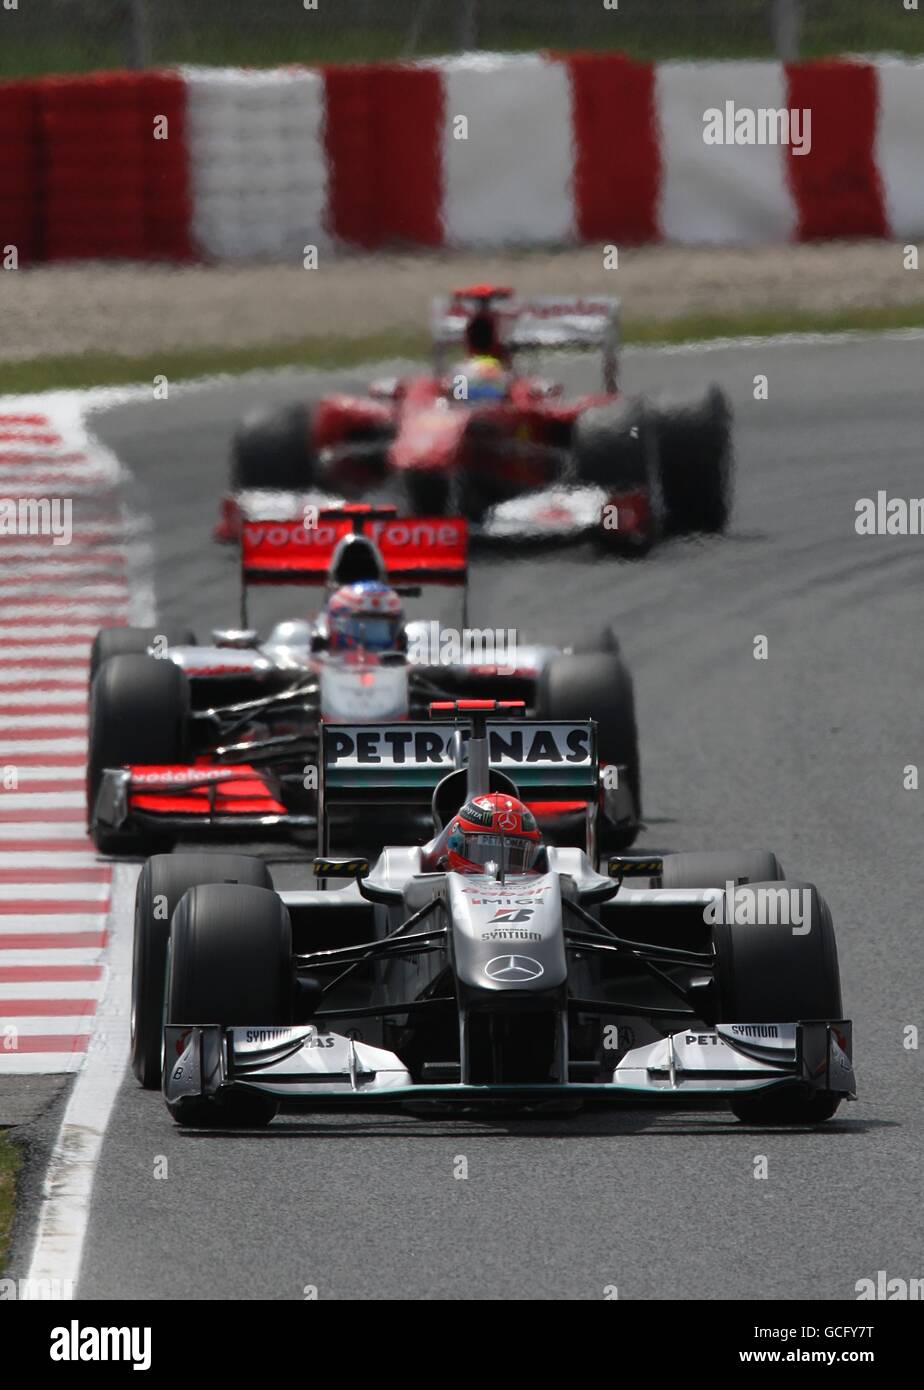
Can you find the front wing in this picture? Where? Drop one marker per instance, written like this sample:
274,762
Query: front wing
571,513
553,513
220,797
305,1067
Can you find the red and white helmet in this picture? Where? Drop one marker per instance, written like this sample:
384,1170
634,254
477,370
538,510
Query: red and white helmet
492,829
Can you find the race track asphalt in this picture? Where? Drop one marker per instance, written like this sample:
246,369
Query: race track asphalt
802,753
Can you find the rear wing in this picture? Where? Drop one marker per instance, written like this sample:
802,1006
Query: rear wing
401,763
542,322
303,550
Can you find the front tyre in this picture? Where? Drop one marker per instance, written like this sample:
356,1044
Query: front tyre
786,1107
230,963
139,714
767,974
134,641
272,449
162,883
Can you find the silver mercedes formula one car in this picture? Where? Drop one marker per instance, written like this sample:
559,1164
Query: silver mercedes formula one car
515,981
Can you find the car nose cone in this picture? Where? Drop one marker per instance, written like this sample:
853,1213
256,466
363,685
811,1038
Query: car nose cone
513,970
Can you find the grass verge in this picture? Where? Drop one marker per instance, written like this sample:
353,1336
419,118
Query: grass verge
179,364
10,1158
60,36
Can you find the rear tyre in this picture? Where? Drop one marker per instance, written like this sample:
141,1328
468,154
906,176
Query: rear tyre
603,641
695,452
134,641
715,870
765,974
272,449
161,884
139,713
230,963
597,685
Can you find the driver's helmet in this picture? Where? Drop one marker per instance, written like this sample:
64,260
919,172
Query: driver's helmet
366,616
481,379
492,829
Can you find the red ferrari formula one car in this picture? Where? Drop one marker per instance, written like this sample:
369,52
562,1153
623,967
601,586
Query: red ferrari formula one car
510,452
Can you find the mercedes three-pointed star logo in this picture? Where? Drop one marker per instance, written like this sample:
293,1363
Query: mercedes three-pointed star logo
513,970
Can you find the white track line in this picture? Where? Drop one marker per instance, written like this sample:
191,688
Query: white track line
40,1063
68,1189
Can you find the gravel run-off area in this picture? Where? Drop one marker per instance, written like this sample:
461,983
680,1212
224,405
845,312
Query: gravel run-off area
138,308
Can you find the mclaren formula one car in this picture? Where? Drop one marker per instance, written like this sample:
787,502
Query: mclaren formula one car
515,980
222,739
512,453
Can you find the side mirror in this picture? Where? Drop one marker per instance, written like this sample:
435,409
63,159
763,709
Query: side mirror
341,868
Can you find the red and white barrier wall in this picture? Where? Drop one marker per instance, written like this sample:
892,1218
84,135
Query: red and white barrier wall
481,150
81,173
